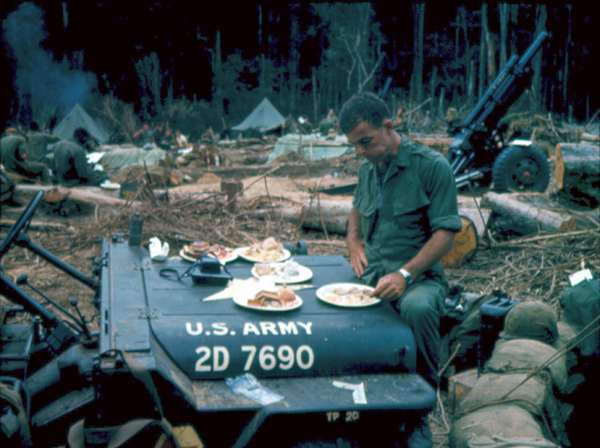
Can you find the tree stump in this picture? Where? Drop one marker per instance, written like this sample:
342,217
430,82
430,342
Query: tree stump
577,170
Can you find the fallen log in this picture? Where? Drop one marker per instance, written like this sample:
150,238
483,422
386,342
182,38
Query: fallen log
332,214
526,214
577,169
323,214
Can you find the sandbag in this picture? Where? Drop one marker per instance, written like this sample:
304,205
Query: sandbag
524,356
503,420
513,442
581,305
534,395
491,387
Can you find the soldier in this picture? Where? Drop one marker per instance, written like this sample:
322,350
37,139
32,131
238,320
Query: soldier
70,162
37,143
400,124
403,220
13,156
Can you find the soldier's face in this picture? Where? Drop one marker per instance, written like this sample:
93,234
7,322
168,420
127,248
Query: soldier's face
374,144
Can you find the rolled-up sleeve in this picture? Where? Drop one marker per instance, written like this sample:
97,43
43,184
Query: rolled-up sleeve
441,190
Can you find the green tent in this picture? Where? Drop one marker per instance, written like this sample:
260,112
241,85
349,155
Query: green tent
79,118
263,118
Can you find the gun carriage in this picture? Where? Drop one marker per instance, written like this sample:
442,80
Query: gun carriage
485,150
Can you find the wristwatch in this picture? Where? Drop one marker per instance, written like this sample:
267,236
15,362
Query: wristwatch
407,276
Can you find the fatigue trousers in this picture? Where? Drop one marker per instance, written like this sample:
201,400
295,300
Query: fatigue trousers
422,306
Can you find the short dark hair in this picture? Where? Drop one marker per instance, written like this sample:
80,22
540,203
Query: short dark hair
81,136
365,106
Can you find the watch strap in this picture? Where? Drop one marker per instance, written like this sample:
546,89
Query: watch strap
407,276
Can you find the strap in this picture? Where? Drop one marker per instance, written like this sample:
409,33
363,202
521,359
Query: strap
174,273
120,434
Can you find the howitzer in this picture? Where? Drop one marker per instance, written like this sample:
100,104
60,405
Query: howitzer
480,149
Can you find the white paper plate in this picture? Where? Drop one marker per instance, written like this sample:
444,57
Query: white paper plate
241,298
232,256
323,291
285,254
304,274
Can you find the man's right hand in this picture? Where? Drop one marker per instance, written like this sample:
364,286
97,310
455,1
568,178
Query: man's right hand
358,256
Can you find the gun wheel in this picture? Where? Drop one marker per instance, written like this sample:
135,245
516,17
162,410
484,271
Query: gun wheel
521,168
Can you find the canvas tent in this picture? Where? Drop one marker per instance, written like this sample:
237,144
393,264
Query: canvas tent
263,118
79,118
312,147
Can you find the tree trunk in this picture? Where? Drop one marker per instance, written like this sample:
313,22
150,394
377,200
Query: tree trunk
536,82
328,214
504,13
294,60
525,214
217,71
417,76
489,43
482,64
565,88
578,172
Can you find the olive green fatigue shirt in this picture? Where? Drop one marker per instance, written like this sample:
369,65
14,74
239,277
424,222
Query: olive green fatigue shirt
37,144
71,165
12,150
418,199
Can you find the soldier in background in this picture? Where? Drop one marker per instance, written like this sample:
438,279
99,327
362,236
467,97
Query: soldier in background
13,157
70,161
400,124
37,143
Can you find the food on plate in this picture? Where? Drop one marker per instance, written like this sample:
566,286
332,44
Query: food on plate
199,248
350,296
284,271
269,250
283,298
263,269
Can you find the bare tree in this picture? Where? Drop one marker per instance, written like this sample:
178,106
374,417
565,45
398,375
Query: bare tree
568,43
503,10
416,88
151,81
355,42
536,82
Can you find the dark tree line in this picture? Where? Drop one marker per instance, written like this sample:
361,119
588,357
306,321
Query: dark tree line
200,68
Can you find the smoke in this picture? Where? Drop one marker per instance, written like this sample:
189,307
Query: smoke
47,85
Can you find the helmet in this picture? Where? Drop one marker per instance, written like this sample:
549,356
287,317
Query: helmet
531,320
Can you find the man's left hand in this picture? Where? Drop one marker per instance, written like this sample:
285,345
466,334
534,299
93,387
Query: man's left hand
390,286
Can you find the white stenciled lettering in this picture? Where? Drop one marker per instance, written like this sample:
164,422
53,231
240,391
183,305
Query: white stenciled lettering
285,353
201,365
283,357
307,363
190,330
220,358
307,326
268,327
250,328
266,358
220,329
251,349
289,328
